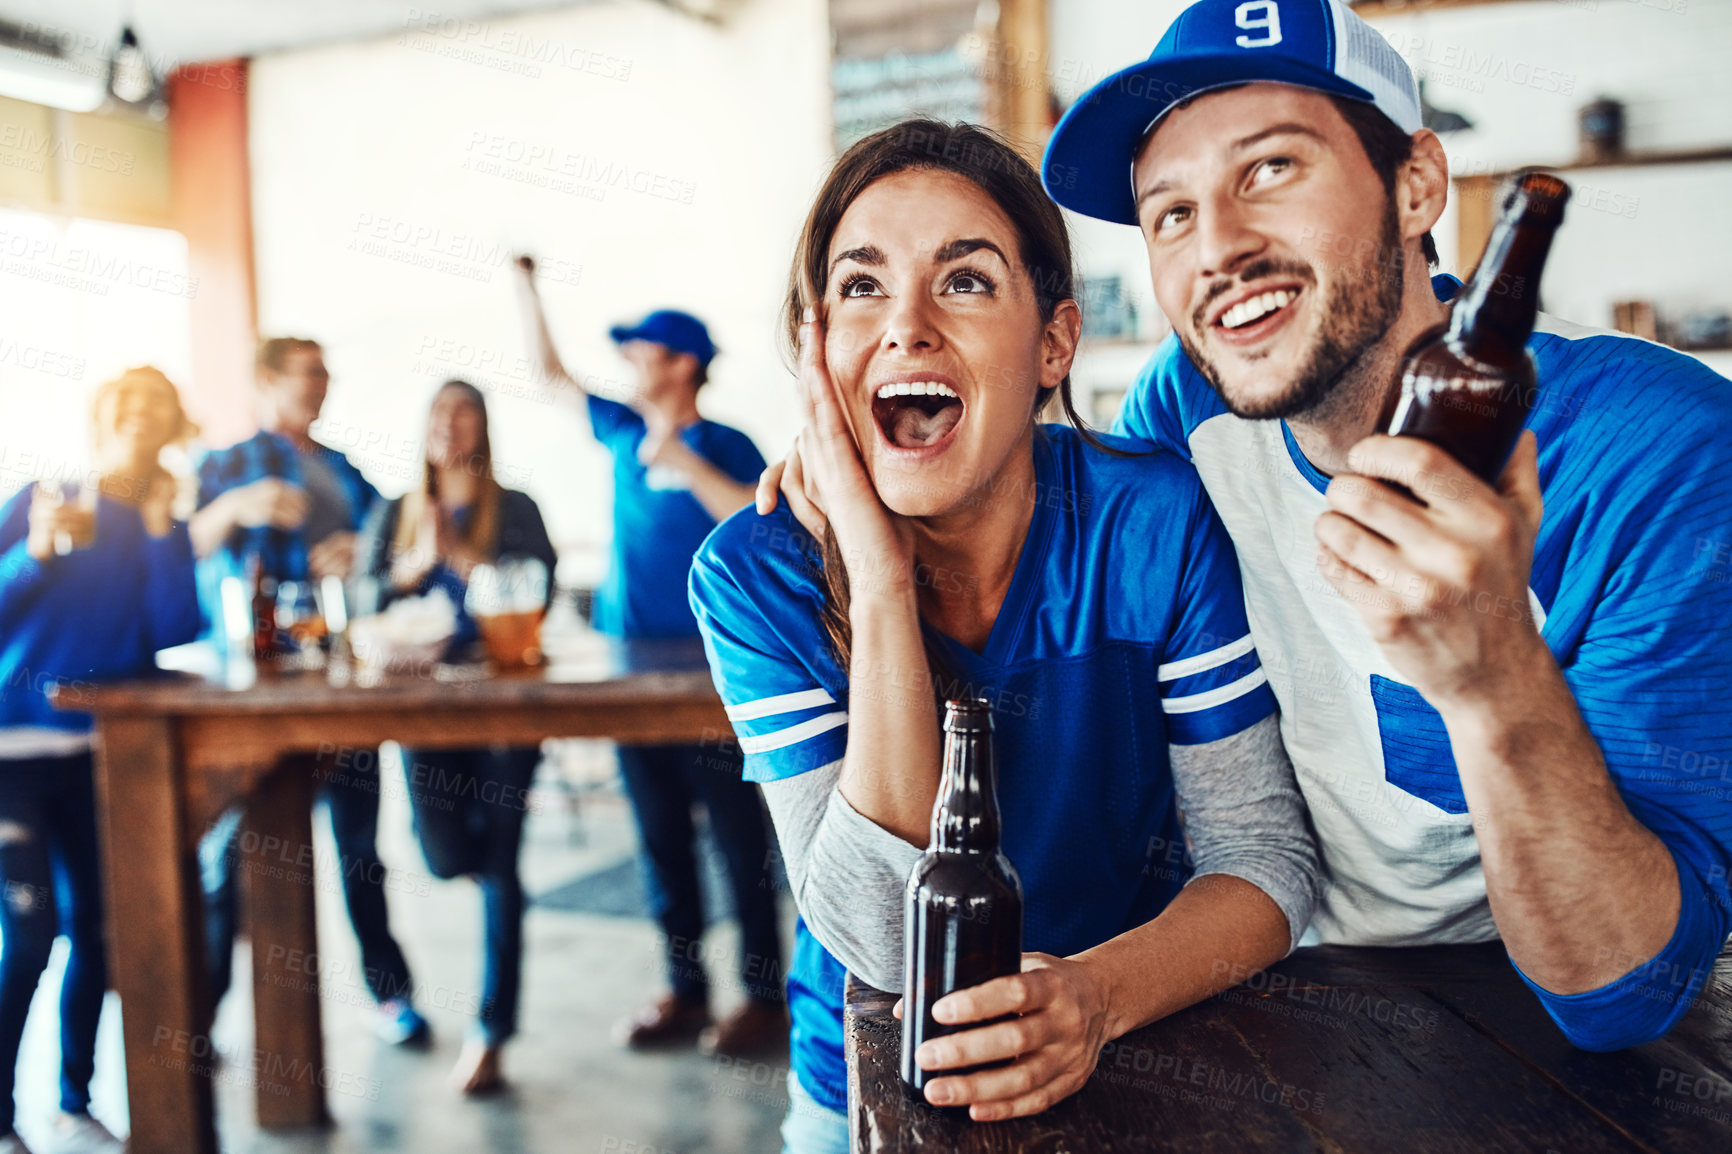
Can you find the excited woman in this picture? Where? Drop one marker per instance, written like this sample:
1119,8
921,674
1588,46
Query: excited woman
91,586
468,804
962,548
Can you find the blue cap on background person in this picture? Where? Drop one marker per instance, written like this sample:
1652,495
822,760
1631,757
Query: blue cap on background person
680,332
1317,44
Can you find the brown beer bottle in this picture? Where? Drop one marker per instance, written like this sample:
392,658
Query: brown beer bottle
1469,387
264,606
964,900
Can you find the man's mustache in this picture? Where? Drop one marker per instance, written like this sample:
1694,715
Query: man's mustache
1258,269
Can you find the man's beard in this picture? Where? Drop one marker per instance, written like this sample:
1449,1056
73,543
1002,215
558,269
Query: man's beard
1359,310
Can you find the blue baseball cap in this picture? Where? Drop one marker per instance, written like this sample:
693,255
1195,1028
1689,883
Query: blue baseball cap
681,332
1316,44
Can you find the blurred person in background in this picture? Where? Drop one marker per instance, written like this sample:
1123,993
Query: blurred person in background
295,505
89,591
280,495
468,804
675,475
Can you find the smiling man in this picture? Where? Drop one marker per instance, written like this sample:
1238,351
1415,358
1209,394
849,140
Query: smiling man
1505,724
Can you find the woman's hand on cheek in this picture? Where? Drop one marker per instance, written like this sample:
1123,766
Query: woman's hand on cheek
877,545
787,478
1052,1042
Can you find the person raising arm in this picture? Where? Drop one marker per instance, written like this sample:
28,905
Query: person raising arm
670,352
675,475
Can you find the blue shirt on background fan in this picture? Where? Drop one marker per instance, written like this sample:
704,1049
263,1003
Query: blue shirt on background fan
657,524
1123,631
95,614
1632,588
282,552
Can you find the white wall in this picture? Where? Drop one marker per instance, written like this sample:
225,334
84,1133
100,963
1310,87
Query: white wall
649,160
1520,72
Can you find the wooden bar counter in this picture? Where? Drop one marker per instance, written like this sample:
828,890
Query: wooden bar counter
1382,1051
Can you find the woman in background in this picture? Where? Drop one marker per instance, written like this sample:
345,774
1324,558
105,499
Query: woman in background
468,804
90,588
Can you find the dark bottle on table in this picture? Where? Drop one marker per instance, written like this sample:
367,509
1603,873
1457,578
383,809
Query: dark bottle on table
1469,387
262,589
964,900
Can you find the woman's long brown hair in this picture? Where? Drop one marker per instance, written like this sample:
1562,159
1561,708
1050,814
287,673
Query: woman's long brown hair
985,159
482,535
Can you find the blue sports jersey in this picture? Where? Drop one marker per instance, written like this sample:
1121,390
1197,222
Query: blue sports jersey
98,613
1632,587
1123,630
657,523
282,553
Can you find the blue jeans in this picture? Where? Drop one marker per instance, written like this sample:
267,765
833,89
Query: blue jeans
351,795
469,806
810,1126
52,867
663,782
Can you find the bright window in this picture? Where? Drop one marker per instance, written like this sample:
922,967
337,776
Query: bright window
80,301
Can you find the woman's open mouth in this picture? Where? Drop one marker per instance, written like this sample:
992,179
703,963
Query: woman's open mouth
916,415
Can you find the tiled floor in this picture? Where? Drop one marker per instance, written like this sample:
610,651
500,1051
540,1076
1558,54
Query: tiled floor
573,1090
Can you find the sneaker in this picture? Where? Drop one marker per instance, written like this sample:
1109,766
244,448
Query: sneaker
81,1134
399,1024
667,1021
11,1143
753,1030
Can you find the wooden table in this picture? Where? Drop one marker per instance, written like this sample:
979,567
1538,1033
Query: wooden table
172,753
1337,1049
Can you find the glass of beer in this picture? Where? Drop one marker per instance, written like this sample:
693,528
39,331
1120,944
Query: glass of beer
81,498
298,616
508,599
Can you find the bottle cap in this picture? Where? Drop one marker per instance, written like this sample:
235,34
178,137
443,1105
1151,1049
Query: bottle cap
1538,194
967,715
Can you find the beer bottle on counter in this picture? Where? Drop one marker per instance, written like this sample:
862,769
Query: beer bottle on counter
263,588
1469,387
964,900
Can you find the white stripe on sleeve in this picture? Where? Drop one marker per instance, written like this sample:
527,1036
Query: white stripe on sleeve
812,727
1203,662
1220,695
785,703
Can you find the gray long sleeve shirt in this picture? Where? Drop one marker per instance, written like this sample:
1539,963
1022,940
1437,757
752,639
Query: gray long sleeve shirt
1243,817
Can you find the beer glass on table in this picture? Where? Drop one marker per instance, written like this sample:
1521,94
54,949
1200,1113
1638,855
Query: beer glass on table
508,599
299,617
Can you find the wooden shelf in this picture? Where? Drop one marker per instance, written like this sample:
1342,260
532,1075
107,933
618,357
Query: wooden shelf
1646,158
1476,193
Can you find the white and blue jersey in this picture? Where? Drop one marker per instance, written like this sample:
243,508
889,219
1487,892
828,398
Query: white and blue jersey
1123,631
1632,587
